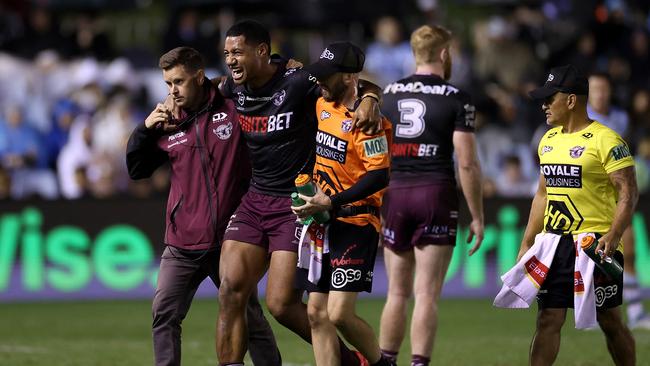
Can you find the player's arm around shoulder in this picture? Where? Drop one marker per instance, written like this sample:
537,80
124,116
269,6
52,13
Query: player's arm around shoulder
469,173
368,117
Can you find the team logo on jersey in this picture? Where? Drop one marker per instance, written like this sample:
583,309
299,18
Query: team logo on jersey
588,135
546,149
289,72
620,152
327,54
324,115
218,117
278,97
224,131
550,78
346,125
576,151
551,134
376,146
241,98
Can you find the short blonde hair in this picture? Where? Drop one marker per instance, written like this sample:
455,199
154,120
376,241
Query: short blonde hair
427,42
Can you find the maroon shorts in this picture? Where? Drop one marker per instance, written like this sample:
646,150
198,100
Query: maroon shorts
266,221
419,215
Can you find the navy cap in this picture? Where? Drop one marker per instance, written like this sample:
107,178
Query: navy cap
565,79
338,57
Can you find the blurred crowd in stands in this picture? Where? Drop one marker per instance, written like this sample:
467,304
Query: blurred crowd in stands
71,91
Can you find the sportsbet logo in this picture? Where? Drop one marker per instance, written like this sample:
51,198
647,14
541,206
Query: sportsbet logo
376,146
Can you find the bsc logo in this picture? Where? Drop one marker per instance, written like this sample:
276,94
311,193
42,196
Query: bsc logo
340,276
327,54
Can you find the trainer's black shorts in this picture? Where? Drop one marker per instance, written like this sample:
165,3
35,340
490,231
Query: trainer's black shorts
350,263
557,289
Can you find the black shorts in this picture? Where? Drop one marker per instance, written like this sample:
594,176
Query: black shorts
557,289
350,263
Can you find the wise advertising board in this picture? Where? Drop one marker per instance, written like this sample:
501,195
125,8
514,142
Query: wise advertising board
109,249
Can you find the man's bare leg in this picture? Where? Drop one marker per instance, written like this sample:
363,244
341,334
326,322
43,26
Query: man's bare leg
431,263
399,268
620,342
241,267
323,332
342,312
283,300
546,341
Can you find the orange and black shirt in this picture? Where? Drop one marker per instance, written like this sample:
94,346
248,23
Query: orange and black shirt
345,154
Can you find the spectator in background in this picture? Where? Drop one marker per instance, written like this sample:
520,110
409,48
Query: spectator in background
64,113
5,185
389,57
21,154
90,38
639,57
42,33
75,155
599,107
512,182
499,56
186,29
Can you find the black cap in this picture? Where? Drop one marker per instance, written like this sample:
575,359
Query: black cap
565,79
338,57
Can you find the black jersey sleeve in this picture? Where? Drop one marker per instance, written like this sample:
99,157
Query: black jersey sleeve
465,113
369,183
143,156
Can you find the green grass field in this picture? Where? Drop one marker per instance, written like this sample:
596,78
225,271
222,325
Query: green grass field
471,332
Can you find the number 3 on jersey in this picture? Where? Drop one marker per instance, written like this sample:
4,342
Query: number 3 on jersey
411,122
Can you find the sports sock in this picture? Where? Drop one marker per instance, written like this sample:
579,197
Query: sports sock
383,361
348,357
417,360
390,355
632,296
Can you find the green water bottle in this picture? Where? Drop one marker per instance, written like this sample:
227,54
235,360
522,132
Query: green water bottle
305,186
609,265
297,201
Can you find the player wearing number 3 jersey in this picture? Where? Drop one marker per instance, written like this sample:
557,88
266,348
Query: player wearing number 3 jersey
431,119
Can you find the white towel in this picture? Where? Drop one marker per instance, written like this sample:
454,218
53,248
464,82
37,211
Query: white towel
314,243
584,297
522,282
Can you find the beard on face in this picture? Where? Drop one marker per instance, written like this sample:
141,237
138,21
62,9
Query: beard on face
335,92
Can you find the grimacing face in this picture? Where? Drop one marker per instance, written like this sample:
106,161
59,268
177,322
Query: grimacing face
243,60
184,87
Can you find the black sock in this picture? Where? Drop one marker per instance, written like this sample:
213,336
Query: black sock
417,360
390,355
348,357
383,361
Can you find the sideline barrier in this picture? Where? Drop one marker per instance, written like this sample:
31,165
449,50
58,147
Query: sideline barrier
107,249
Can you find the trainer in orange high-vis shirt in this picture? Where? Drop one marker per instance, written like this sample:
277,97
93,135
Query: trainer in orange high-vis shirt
344,155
